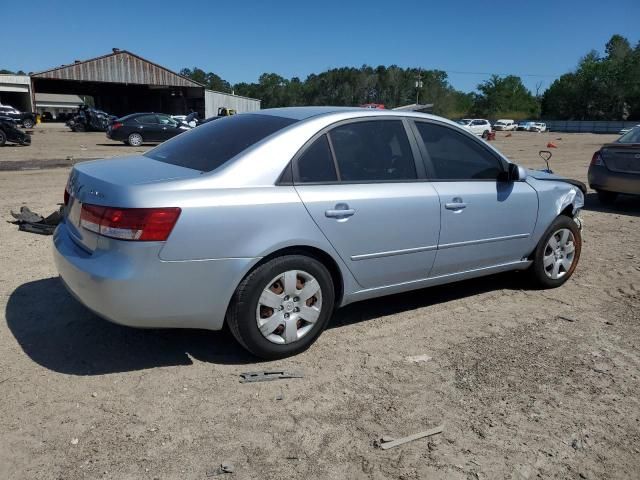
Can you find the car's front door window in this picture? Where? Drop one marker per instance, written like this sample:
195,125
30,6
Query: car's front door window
455,157
373,151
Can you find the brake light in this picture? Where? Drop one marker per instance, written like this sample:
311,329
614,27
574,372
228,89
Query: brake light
143,224
596,160
115,125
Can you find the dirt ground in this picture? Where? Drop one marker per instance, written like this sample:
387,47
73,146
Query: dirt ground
527,384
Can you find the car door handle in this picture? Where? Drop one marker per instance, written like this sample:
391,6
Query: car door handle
340,211
455,204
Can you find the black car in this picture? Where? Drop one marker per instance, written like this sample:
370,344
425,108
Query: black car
9,132
139,128
26,119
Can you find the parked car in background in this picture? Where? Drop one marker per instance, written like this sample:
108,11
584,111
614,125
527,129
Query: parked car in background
139,128
268,220
524,125
538,127
46,117
477,126
9,132
615,168
504,125
26,119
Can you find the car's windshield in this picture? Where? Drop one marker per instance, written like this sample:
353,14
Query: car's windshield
208,146
501,122
632,136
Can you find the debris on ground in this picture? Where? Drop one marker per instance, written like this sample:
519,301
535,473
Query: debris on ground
249,377
418,359
384,445
33,222
568,319
74,441
221,469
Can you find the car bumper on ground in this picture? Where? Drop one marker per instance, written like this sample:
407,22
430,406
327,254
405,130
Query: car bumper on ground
601,178
131,286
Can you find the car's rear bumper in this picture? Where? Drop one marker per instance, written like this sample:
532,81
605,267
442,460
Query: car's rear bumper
131,286
601,178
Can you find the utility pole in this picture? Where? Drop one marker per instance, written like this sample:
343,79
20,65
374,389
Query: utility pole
418,86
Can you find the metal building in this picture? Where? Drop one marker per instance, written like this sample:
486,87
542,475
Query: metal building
215,100
15,90
123,82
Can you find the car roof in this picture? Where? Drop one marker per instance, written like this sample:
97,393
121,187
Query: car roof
344,113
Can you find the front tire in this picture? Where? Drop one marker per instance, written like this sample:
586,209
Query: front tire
557,254
606,198
28,123
282,306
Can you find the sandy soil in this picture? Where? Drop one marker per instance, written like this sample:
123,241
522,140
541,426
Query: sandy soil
527,384
54,144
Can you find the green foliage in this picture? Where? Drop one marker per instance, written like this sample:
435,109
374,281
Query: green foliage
10,72
505,97
209,80
348,86
601,88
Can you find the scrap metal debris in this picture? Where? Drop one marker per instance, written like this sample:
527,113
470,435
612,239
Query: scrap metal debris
29,221
249,377
221,469
385,443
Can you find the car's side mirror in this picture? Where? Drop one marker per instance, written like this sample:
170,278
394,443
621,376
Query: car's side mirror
516,173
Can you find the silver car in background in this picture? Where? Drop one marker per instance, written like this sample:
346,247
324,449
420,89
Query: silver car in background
270,220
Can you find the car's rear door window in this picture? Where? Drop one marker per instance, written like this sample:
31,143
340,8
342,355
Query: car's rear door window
316,163
208,146
373,151
454,156
147,119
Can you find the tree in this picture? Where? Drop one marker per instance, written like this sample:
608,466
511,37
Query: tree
505,97
601,88
210,80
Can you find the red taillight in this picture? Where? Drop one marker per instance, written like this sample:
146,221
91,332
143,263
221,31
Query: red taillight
115,125
597,159
66,197
144,224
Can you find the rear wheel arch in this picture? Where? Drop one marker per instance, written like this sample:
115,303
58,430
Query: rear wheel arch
320,255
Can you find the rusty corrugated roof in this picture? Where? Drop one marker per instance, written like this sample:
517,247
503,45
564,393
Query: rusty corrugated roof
120,66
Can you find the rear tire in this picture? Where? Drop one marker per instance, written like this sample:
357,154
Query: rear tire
282,329
607,198
485,134
134,140
3,138
557,254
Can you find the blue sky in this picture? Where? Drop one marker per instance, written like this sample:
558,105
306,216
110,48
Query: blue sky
241,40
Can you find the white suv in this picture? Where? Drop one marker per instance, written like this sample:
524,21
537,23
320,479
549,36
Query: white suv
538,127
477,126
505,125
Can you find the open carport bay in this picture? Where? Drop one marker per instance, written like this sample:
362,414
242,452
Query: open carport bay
527,384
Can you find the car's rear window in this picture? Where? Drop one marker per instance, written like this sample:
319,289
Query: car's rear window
208,146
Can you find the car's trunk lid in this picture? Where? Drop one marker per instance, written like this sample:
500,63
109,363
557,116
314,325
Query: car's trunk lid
113,183
622,158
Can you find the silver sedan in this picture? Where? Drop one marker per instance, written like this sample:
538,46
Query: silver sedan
270,220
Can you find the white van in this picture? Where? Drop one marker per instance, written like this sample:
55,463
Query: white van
505,125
